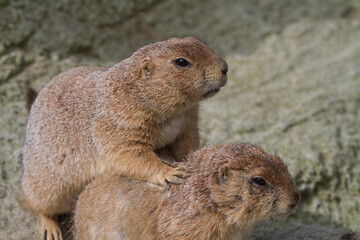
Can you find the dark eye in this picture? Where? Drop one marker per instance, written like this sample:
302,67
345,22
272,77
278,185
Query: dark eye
182,62
259,181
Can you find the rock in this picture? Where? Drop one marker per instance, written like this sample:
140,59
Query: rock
298,96
12,64
113,29
308,232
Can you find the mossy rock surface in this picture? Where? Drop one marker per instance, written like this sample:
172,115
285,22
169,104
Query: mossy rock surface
294,88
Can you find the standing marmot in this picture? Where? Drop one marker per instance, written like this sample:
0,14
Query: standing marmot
92,120
230,188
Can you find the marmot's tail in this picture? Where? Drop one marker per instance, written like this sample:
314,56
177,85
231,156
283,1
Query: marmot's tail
30,96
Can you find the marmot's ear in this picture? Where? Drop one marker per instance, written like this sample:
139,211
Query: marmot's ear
147,67
223,174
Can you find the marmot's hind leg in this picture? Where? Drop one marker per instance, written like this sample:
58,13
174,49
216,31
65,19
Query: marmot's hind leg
50,229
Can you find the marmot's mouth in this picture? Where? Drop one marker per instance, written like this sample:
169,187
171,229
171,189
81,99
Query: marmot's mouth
215,89
211,92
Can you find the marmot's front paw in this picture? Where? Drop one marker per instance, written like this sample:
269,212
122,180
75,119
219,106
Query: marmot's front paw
173,176
50,229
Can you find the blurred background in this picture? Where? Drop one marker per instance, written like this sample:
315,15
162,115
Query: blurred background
294,88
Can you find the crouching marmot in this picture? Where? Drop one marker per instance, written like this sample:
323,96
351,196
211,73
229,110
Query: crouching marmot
231,187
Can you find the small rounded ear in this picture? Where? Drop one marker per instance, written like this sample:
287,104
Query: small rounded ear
147,67
223,174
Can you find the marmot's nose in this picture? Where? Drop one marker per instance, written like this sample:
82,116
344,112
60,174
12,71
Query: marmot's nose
295,200
222,65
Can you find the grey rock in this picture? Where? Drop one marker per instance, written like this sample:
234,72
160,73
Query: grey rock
308,232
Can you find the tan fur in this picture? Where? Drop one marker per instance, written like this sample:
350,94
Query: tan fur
220,200
93,120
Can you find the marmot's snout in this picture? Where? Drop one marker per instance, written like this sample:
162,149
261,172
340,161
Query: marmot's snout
294,202
289,203
223,69
215,78
222,65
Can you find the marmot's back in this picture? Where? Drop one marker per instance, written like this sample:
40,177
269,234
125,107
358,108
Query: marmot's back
58,138
133,197
60,116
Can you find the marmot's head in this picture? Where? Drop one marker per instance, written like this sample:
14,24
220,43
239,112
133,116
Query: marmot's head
247,184
179,71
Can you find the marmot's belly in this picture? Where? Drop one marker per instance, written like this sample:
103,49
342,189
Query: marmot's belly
170,131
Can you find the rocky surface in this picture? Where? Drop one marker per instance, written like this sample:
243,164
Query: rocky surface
298,95
294,88
308,232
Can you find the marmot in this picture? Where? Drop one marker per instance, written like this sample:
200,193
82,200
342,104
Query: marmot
93,120
231,187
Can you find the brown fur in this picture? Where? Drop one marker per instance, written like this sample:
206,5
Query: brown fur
350,236
220,200
93,120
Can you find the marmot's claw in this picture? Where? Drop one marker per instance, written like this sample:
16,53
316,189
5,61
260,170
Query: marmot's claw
182,173
174,176
50,229
55,235
168,184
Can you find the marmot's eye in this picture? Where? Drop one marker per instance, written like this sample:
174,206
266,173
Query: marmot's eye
182,62
259,181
